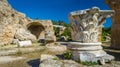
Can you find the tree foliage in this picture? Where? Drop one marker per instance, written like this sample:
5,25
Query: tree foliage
60,22
106,32
66,33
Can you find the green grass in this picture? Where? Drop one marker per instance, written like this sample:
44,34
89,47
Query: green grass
56,58
89,63
67,54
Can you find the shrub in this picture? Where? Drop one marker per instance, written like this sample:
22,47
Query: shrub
67,54
105,32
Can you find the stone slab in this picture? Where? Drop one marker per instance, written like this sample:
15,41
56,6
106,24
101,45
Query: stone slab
25,43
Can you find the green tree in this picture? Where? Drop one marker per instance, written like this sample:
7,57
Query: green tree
106,32
66,33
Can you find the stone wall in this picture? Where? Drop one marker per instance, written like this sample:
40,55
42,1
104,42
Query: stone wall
11,22
115,30
13,25
45,30
49,30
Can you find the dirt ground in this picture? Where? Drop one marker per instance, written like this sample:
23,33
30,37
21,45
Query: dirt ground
33,59
30,59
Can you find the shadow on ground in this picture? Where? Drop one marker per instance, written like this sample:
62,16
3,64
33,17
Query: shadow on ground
113,52
116,55
60,56
34,63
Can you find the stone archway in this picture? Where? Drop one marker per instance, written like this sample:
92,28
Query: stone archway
36,29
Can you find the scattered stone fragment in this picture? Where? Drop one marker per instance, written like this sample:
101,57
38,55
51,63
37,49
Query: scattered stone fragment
49,61
24,43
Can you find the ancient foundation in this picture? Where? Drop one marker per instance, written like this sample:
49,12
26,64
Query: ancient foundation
85,33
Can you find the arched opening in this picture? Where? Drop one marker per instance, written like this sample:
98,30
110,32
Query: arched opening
36,29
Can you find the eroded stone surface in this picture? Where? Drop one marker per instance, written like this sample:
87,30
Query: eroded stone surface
25,43
44,30
86,28
56,48
51,62
13,25
115,31
10,22
85,24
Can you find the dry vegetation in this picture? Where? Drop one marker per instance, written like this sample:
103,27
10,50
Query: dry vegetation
32,59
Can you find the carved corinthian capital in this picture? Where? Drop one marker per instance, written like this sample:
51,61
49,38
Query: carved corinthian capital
85,24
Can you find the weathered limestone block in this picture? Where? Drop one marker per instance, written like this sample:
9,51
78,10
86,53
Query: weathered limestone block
86,26
53,61
15,41
49,31
23,34
48,61
24,43
6,34
115,29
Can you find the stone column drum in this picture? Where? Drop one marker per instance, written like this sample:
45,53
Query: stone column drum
85,32
115,29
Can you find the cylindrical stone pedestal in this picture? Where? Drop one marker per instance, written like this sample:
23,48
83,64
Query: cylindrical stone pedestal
88,52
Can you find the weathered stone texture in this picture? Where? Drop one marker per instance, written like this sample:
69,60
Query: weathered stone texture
45,30
86,24
49,31
115,30
13,25
53,61
86,28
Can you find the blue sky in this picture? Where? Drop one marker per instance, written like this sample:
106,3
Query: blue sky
55,9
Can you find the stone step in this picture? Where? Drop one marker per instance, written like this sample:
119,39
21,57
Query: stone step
97,53
84,44
86,48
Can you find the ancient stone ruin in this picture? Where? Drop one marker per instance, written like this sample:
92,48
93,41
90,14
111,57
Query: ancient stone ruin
15,26
115,31
60,29
85,30
42,29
